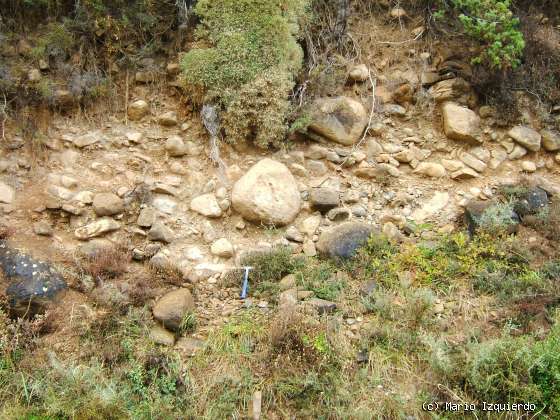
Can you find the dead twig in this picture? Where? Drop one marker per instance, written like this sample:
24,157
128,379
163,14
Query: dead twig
416,38
126,100
4,115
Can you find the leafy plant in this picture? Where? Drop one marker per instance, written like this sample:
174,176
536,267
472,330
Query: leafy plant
493,25
188,323
497,219
545,370
498,370
322,279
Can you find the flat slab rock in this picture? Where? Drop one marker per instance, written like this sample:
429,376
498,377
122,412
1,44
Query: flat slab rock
96,228
322,306
30,284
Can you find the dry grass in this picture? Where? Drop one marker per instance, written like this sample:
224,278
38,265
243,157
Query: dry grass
291,336
106,264
167,273
6,231
141,289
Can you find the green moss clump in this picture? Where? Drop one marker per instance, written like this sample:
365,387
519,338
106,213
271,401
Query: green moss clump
246,62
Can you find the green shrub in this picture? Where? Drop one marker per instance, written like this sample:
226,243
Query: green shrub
493,25
246,61
188,323
510,281
322,279
493,264
498,370
497,219
128,378
57,41
545,370
270,266
258,110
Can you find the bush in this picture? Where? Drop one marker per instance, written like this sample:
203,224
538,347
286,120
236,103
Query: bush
492,264
545,370
322,279
106,264
270,266
246,61
299,338
128,378
492,24
498,219
498,370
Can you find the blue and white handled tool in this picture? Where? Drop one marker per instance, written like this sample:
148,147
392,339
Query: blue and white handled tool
245,287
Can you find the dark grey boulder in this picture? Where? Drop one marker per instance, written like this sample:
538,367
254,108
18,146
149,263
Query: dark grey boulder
342,241
30,284
531,202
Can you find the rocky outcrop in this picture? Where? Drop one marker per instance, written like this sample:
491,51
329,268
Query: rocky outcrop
168,119
222,248
138,109
531,202
324,199
175,146
206,205
7,193
550,140
267,194
107,204
359,73
342,120
97,228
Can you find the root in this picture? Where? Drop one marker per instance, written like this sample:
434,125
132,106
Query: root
4,117
211,121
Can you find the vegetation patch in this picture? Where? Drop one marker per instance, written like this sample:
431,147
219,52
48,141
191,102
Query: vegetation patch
246,62
493,24
308,364
269,267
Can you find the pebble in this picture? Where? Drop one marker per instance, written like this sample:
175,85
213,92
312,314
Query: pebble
528,166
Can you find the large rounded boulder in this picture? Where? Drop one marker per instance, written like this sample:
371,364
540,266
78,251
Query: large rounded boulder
172,308
341,120
267,194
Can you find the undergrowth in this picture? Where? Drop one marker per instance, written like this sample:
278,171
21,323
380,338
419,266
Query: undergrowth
305,364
